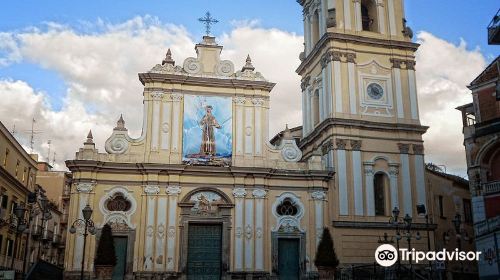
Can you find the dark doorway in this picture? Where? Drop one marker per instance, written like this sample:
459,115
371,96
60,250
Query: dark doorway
288,258
204,255
121,257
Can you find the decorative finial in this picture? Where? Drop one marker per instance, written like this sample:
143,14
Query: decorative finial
208,20
90,138
120,124
168,59
248,65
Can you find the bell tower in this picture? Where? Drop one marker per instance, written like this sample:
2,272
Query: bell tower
360,112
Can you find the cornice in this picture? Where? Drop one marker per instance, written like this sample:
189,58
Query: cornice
379,225
362,124
190,170
204,81
349,38
13,181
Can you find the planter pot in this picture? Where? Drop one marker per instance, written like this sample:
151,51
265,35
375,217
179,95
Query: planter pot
326,273
104,272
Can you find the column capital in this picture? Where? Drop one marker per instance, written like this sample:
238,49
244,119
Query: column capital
318,195
176,97
173,190
239,100
418,149
85,187
151,189
259,193
368,168
404,148
356,145
341,143
393,170
351,57
239,192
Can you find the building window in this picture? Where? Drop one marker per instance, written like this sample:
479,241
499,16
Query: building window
369,16
315,27
24,173
1,242
17,167
10,246
118,203
441,206
13,206
5,201
287,208
379,183
467,211
6,157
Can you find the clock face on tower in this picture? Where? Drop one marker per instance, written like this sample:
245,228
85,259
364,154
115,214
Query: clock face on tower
375,91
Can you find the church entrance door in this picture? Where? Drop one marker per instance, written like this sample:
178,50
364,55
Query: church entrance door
204,255
121,257
288,258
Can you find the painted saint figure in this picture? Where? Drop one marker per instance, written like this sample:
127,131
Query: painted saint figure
208,123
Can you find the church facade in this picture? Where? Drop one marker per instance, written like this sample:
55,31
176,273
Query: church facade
203,194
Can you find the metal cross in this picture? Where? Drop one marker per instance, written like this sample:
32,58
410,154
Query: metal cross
208,20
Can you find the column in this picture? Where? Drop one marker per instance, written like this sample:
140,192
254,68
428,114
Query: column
83,191
381,17
410,65
306,24
249,234
259,196
352,82
418,150
347,14
145,114
239,102
249,130
370,193
161,229
325,93
239,198
324,14
396,74
337,73
357,179
357,15
309,118
258,102
176,121
319,198
392,19
150,191
405,176
342,177
304,124
321,100
155,126
166,124
393,181
329,95
308,34
173,192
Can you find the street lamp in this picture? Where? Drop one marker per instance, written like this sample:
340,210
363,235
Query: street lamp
457,222
394,220
46,215
422,211
89,228
19,223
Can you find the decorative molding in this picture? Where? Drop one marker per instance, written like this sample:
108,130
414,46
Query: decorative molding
239,100
248,231
341,143
403,148
224,68
117,143
318,195
176,96
239,193
305,83
356,145
192,65
171,232
288,223
85,187
238,232
120,218
368,168
151,189
410,65
259,193
157,95
289,150
418,149
393,170
173,190
258,101
351,57
160,230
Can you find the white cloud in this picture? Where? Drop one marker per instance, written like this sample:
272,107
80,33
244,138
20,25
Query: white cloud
100,66
443,71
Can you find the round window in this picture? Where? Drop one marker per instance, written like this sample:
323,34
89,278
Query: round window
375,91
287,208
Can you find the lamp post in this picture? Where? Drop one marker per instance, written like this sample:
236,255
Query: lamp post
407,222
89,227
20,226
46,215
421,210
457,222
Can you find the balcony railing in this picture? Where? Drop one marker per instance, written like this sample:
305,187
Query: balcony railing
36,230
494,30
487,226
48,235
491,187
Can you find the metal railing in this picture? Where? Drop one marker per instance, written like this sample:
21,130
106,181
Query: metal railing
487,226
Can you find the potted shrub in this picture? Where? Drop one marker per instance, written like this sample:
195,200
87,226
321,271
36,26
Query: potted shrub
105,259
326,260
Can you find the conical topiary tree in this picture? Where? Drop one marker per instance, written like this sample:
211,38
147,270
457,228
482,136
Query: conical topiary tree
106,249
325,255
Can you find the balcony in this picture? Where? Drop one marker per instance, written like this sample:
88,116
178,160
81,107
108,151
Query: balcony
36,230
56,240
48,235
494,30
487,226
491,188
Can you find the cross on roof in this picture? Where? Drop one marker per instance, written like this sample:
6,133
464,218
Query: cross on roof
208,20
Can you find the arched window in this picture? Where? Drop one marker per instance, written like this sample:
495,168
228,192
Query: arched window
287,208
315,110
379,186
369,20
118,203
